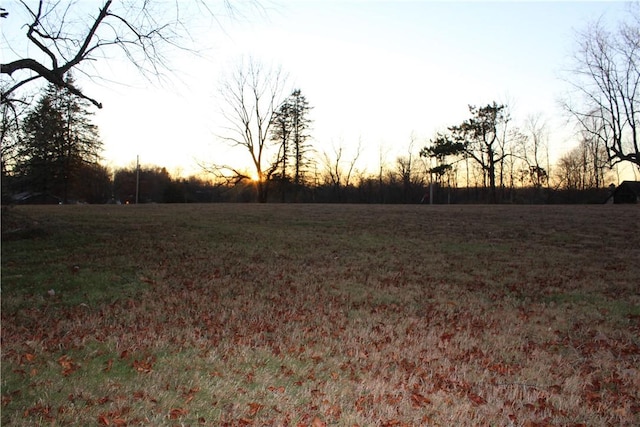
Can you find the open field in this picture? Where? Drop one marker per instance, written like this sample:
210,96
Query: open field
321,315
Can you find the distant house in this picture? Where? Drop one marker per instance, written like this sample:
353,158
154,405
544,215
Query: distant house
627,192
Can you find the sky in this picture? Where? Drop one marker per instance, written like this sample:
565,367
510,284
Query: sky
376,73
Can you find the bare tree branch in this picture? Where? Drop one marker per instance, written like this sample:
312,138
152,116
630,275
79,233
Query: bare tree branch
251,96
138,30
606,79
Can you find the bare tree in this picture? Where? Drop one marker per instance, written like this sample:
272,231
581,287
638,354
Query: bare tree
407,171
65,35
251,96
535,150
606,79
582,167
335,173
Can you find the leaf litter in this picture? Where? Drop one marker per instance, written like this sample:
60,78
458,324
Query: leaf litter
327,322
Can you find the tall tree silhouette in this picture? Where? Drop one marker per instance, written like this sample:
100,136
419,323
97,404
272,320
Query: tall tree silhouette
606,79
481,138
290,130
252,95
58,139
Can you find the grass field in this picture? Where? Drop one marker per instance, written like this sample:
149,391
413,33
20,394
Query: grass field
314,315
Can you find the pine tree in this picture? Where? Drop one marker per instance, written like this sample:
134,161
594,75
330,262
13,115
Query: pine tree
59,141
290,127
299,135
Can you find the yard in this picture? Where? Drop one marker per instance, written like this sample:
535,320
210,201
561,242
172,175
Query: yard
314,315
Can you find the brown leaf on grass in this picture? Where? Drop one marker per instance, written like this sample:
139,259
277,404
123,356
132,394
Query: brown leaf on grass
176,413
40,410
476,399
189,394
6,399
334,411
29,357
144,366
418,400
363,402
108,364
103,420
254,408
68,365
317,422
446,337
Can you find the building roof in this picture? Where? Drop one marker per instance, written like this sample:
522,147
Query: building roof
626,192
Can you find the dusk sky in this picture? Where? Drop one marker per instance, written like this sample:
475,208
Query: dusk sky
377,72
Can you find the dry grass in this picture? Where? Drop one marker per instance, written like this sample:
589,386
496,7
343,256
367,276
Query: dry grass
323,315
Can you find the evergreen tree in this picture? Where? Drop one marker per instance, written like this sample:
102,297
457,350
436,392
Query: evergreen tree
299,135
290,127
481,136
280,135
441,149
59,140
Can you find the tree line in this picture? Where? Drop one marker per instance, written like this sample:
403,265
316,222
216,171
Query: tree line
51,150
52,155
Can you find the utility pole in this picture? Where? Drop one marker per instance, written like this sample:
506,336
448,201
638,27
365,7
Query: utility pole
137,177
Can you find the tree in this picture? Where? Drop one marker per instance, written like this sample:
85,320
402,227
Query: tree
58,140
335,174
406,169
280,135
481,137
535,151
57,42
442,149
251,96
290,131
10,138
606,79
582,168
300,136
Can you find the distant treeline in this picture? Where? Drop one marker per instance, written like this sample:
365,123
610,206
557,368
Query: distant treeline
155,185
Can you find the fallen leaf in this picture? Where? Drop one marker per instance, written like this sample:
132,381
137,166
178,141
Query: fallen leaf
254,408
317,422
478,400
176,413
145,366
68,365
418,400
